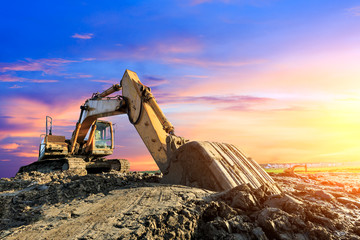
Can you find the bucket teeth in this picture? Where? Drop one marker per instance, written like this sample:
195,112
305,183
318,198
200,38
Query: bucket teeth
216,166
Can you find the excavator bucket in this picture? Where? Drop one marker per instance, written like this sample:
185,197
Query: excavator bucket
216,166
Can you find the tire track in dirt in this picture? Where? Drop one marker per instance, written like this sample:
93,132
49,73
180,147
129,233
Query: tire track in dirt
115,215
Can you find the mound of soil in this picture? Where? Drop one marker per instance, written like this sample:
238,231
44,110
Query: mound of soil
63,205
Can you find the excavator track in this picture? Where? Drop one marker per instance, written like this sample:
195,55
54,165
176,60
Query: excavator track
107,165
77,164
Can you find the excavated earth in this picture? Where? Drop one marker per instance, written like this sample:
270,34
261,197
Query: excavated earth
67,205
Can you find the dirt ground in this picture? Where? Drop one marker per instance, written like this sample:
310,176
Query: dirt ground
136,206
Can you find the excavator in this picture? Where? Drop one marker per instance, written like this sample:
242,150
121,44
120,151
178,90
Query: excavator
210,165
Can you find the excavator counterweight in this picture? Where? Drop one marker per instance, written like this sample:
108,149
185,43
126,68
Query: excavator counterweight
210,165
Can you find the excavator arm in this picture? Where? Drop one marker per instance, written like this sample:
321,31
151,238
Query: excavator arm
148,119
93,109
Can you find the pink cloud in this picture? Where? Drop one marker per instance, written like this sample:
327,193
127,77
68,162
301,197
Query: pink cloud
83,36
186,45
26,117
5,160
152,81
9,78
175,51
88,59
212,99
196,76
157,49
44,65
229,103
16,86
43,81
210,63
198,2
354,11
168,47
105,81
85,76
31,154
10,146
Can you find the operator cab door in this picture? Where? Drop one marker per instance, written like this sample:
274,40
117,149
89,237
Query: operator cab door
103,138
42,147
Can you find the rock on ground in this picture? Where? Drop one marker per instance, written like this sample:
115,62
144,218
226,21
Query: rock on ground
64,205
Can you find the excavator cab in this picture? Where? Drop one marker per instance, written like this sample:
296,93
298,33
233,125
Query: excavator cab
103,137
99,139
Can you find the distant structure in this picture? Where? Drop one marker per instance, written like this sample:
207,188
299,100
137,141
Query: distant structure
292,169
290,165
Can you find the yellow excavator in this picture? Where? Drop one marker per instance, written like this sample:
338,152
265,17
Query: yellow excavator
210,165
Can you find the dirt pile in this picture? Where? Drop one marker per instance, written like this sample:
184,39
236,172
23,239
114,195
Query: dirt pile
136,205
22,197
244,213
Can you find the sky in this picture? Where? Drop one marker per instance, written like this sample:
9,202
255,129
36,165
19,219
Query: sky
279,79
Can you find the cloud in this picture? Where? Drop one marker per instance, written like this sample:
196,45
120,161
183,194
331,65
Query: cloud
46,65
196,76
181,51
88,59
5,160
106,81
85,76
10,78
33,153
10,146
83,36
232,103
198,2
43,81
152,81
157,49
262,106
170,98
25,117
210,63
354,11
16,86
186,45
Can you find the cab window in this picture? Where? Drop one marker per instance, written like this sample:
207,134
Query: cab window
103,135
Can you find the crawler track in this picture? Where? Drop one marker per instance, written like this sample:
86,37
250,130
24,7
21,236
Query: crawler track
77,164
